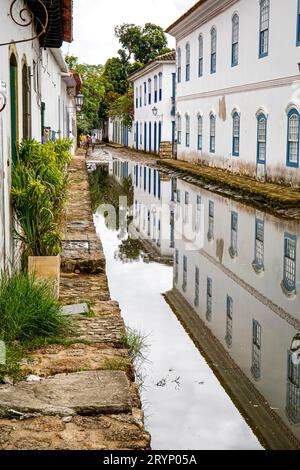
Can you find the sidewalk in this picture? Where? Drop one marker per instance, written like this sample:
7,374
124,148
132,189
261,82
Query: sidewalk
86,398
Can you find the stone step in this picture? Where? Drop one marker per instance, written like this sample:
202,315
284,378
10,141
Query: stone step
82,256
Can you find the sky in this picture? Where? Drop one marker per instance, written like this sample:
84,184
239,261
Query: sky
95,20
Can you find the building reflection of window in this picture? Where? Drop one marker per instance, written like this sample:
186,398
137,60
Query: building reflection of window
229,320
184,282
158,234
198,213
197,287
293,382
233,250
289,274
154,228
211,217
186,207
176,273
258,263
149,224
209,299
172,229
256,350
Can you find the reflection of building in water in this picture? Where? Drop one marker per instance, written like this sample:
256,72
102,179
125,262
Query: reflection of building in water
239,271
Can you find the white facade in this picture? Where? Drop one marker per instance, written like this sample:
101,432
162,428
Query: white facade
237,63
119,134
37,89
154,104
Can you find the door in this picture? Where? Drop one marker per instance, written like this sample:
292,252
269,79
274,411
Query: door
2,200
150,137
13,107
155,137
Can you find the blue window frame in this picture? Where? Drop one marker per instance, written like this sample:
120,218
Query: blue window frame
187,62
209,297
259,246
213,53
293,389
235,40
141,96
150,137
289,264
187,130
293,138
136,97
179,129
200,58
173,109
159,186
137,135
229,321
256,350
233,250
185,270
178,196
160,86
176,271
179,65
236,135
211,220
155,88
145,178
261,138
149,180
149,91
145,136
200,132
159,135
197,287
141,135
264,22
298,24
136,171
155,137
154,185
145,93
212,143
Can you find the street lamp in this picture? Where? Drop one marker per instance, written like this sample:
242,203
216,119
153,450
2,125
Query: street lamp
79,102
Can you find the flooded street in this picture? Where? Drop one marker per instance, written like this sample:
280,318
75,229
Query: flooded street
235,274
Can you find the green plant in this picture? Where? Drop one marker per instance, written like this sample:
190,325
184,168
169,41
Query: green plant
39,184
135,342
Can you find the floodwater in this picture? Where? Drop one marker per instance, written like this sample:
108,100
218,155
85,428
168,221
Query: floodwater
237,269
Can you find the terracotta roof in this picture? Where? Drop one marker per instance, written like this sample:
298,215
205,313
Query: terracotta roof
185,15
167,57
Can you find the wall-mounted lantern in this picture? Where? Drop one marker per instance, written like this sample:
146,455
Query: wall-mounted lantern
79,102
155,111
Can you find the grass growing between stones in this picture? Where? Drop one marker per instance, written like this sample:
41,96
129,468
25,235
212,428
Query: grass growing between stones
29,317
136,344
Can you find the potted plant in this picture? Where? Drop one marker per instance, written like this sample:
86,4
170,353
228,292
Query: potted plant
39,182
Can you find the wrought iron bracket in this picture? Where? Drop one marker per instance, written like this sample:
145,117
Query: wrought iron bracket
26,18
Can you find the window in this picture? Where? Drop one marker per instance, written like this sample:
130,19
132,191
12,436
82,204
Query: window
258,263
198,213
211,218
26,98
178,198
141,96
209,299
264,28
155,89
200,59
293,138
233,251
184,283
145,178
298,23
256,350
293,390
176,266
261,138
136,97
187,130
229,321
186,207
236,135
289,274
154,185
149,91
187,62
213,53
200,132
235,41
160,85
149,179
179,129
197,287
212,143
145,93
179,65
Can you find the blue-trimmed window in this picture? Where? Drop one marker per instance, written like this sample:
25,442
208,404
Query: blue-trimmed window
211,220
187,130
178,196
233,250
259,249
179,65
149,91
198,213
160,86
141,134
145,93
155,88
145,136
235,40
209,295
176,271
264,22
200,132
145,178
185,268
149,180
159,186
186,207
213,52
187,62
179,129
150,137
298,23
212,140
236,134
141,102
136,97
293,389
261,138
256,350
200,59
154,185
197,287
289,264
293,138
229,321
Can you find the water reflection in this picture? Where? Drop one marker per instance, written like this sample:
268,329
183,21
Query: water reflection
234,286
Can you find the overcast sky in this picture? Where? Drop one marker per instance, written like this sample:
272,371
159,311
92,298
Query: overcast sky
95,20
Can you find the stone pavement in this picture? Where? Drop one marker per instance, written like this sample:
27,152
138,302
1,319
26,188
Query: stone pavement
82,395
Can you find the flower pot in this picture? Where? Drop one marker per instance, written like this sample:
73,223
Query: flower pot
46,267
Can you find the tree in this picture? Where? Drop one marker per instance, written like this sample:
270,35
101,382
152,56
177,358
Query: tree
141,44
123,108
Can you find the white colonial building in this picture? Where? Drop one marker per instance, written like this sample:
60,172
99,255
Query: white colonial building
238,88
36,89
154,105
